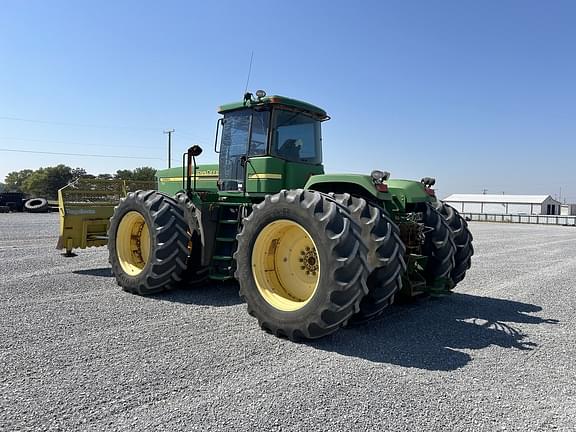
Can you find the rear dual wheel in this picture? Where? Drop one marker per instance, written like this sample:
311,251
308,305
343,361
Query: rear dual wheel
301,264
439,248
462,240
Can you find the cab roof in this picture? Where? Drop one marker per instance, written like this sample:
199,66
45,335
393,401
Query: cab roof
275,100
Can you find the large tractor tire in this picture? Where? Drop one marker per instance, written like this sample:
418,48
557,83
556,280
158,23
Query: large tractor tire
148,242
195,274
438,246
462,239
385,255
301,264
36,205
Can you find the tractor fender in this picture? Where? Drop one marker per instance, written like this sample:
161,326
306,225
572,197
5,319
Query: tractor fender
355,184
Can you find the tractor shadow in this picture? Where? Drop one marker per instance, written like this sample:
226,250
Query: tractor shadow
98,272
429,333
209,294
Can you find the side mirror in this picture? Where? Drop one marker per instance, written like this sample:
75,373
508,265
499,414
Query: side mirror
218,123
195,150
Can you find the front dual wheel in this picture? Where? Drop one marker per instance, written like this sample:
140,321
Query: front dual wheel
301,264
133,243
148,242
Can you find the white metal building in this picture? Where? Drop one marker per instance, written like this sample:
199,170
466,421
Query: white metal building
504,204
568,209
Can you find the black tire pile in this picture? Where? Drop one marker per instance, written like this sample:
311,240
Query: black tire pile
36,205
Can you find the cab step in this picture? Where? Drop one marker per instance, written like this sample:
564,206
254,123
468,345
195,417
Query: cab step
220,277
226,239
222,258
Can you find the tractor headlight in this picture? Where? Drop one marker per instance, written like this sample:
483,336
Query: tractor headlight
428,181
260,94
379,176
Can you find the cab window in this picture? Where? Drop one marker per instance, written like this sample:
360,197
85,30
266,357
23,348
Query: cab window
260,121
296,137
235,134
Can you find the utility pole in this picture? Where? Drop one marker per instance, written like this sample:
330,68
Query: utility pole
169,132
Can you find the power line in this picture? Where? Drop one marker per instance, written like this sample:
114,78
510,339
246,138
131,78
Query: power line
194,138
77,124
78,154
58,123
76,143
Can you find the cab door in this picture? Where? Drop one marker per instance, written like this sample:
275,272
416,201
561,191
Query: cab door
233,145
244,134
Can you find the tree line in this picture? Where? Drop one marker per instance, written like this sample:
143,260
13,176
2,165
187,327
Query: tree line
45,182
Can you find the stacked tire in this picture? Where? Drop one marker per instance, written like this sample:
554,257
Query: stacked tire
36,205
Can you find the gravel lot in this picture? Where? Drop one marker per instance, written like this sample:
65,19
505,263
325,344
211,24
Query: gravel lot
78,353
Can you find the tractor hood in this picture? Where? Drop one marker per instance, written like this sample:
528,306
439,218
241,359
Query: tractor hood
409,191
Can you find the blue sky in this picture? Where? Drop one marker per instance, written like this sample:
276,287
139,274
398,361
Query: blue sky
479,94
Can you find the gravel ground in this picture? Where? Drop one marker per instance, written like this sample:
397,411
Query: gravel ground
77,353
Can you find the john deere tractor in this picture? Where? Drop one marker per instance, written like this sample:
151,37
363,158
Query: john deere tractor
311,251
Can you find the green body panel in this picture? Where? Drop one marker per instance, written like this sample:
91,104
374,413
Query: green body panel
352,183
275,100
297,174
265,175
407,192
170,179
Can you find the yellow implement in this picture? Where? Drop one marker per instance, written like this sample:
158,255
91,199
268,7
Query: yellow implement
86,206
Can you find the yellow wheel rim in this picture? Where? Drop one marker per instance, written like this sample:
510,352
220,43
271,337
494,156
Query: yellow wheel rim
133,243
285,265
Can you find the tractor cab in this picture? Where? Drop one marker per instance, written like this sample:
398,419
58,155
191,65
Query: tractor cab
268,143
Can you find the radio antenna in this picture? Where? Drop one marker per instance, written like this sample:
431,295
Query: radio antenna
249,72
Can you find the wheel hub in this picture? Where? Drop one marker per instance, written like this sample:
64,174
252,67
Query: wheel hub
309,261
285,265
133,243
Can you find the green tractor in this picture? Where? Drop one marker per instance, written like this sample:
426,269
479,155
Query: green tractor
311,251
